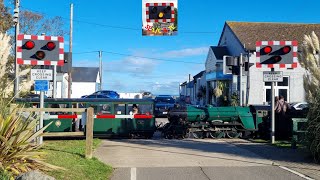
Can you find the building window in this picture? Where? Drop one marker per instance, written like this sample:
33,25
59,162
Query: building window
281,89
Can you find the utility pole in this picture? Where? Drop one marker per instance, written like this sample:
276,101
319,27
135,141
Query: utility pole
100,69
70,50
16,20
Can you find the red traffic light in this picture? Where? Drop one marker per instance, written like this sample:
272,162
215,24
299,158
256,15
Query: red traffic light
51,46
29,45
286,49
40,55
267,49
276,59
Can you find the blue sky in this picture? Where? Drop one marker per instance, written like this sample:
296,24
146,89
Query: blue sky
200,23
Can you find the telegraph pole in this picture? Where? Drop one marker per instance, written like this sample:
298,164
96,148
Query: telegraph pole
70,50
16,20
100,69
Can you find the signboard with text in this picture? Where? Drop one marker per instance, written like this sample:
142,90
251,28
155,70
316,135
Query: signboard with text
272,76
41,74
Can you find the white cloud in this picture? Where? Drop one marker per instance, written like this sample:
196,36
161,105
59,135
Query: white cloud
185,52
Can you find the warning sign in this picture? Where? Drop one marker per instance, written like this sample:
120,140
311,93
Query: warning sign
41,74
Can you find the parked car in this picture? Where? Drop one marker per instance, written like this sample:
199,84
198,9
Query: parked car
97,96
34,96
299,105
111,94
162,105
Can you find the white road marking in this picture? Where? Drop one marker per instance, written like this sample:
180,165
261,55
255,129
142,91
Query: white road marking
133,173
295,172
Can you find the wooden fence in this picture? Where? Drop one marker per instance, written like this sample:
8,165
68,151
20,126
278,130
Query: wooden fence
89,124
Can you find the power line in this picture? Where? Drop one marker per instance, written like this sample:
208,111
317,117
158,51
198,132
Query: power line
118,27
144,57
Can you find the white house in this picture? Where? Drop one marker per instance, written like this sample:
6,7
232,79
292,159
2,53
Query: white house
85,81
241,37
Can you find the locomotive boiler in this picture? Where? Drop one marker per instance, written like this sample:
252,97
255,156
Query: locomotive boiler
214,122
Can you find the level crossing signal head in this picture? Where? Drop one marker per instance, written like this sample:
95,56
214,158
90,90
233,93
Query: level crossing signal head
160,12
40,50
276,52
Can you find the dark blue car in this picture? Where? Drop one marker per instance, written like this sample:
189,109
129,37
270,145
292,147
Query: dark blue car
110,94
162,105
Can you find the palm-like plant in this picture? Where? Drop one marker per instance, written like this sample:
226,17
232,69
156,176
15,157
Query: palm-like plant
18,150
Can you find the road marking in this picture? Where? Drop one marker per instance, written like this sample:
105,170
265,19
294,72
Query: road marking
133,173
295,172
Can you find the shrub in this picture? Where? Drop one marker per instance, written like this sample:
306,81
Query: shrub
18,151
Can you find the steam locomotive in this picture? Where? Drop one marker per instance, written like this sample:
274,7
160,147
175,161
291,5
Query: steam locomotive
214,122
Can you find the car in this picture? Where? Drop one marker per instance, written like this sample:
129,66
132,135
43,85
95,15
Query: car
299,105
34,96
111,94
162,105
97,96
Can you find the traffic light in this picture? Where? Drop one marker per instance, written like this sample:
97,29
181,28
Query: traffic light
228,63
276,52
160,12
40,50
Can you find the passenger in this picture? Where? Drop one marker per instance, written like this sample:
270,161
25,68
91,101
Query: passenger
135,109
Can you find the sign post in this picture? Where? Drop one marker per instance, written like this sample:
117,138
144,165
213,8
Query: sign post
271,54
42,78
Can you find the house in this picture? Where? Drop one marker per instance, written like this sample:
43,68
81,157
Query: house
85,81
240,38
214,72
199,94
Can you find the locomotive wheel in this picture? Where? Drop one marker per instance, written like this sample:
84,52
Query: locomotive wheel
233,134
197,134
216,134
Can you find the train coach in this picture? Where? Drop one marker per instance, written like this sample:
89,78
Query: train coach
112,117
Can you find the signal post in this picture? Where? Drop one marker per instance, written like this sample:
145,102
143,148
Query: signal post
40,50
280,55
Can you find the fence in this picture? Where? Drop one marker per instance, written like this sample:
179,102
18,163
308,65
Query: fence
89,124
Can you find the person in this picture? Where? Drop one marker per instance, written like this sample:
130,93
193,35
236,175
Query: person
135,109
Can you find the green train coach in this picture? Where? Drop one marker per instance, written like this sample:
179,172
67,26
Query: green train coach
112,117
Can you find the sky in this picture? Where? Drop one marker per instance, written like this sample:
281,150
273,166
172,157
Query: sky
158,64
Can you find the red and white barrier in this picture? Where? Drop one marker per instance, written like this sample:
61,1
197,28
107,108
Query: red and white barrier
101,116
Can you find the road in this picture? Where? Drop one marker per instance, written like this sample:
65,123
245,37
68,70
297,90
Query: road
188,159
157,159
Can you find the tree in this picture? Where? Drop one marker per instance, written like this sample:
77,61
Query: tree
30,23
5,17
309,59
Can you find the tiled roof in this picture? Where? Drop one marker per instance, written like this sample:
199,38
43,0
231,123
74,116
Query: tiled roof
84,74
219,51
250,32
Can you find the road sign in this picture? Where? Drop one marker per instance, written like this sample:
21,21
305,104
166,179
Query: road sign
41,74
272,76
41,85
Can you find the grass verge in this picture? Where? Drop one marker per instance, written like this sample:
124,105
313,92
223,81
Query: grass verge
279,143
69,154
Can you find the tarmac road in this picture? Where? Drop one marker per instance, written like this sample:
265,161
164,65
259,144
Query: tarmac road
157,159
188,159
